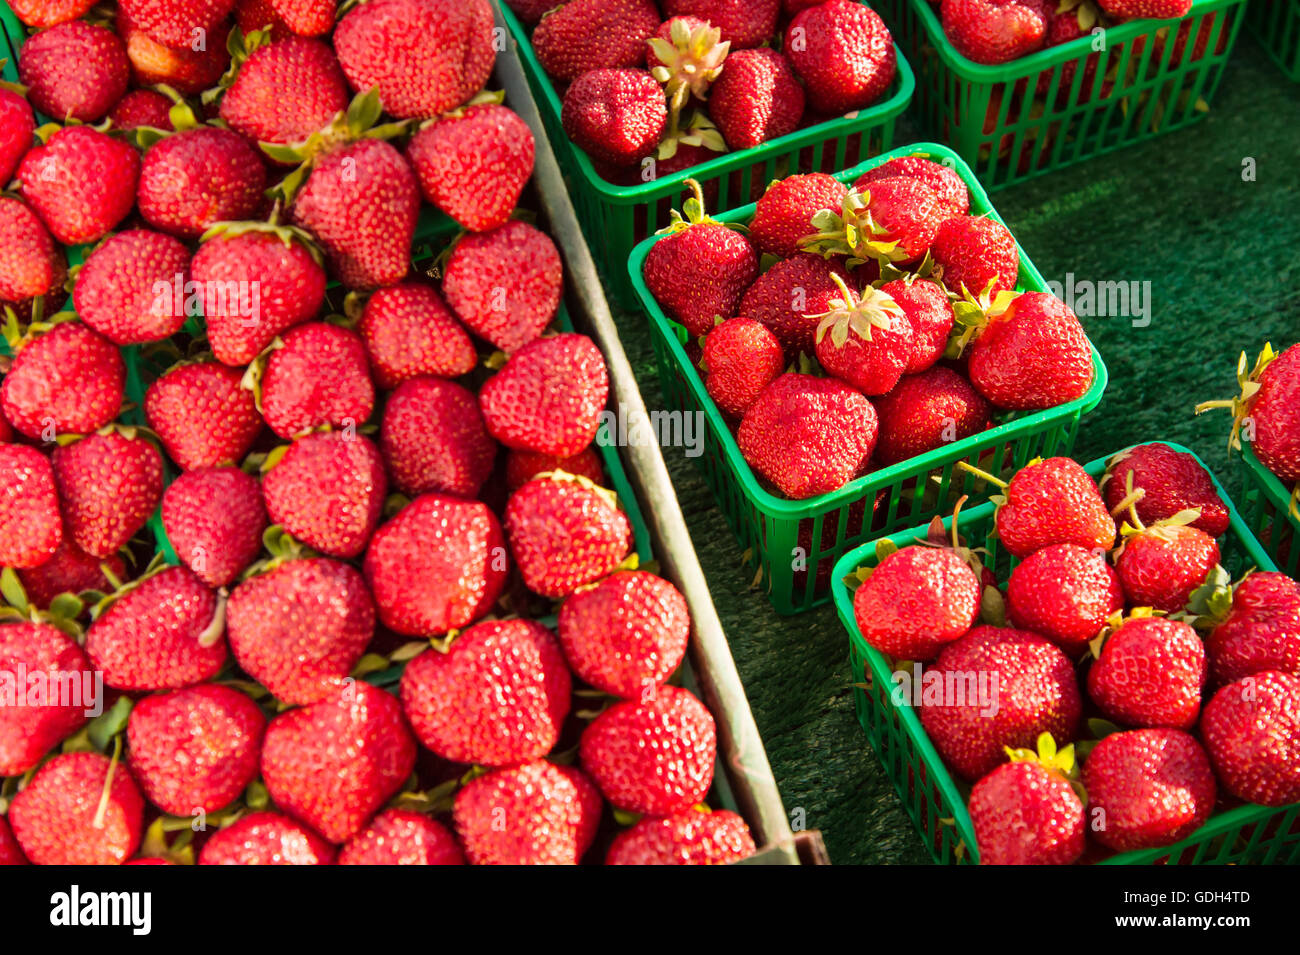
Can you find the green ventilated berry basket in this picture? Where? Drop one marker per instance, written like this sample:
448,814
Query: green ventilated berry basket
791,546
1142,86
1267,508
936,802
1276,25
616,217
12,35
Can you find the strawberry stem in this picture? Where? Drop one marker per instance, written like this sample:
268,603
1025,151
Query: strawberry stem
982,474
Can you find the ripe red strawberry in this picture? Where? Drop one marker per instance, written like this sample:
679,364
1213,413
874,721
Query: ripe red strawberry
523,466
109,485
585,35
1147,788
434,440
864,339
31,528
1150,673
565,533
173,23
195,178
361,202
972,251
10,852
426,56
807,435
1271,411
28,732
48,13
1023,813
548,397
1170,481
402,837
300,627
474,165
530,11
926,411
285,91
744,23
214,518
266,838
202,415
328,491
31,264
1065,593
74,71
686,55
1053,501
615,115
1031,354
191,68
995,31
1062,28
903,211
653,757
513,688
1035,692
17,126
1144,9
68,380
741,358
843,52
1260,632
61,817
141,108
318,377
409,332
916,601
81,183
195,748
1251,730
785,296
784,214
627,634
535,814
70,571
439,564
685,838
300,17
756,98
117,288
505,285
943,180
1162,565
332,764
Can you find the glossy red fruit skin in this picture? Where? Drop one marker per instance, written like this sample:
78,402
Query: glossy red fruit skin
994,31
27,733
757,98
1172,481
186,70
31,526
81,183
109,486
927,411
1033,356
48,13
10,852
523,466
1162,567
202,415
31,264
285,91
784,214
654,758
785,295
615,115
686,838
1053,502
53,818
585,35
195,749
172,23
142,108
1150,674
434,441
916,601
214,518
872,366
741,358
409,332
1064,592
847,58
69,571
1251,729
943,180
1154,787
1025,814
117,289
974,251
318,378
909,213
298,17
1273,411
402,837
74,71
198,177
266,838
1143,9
744,23
700,274
930,313
69,380
1261,631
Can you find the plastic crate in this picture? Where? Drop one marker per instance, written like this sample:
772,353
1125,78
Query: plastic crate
1276,25
1267,510
936,801
770,528
12,36
1006,136
615,218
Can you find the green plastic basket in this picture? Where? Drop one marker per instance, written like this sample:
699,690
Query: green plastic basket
784,539
937,803
1267,509
615,218
1007,137
1276,25
12,36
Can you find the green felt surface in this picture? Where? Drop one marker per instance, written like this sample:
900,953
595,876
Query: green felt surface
1223,259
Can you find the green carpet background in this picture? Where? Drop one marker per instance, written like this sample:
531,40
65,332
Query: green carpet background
1223,259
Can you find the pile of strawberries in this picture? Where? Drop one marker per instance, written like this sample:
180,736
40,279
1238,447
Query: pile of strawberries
370,509
1119,639
884,325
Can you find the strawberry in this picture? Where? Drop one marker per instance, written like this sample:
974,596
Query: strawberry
361,202
31,528
74,71
972,252
214,518
1270,393
1031,354
944,181
1150,672
195,749
473,165
864,339
195,178
409,332
1053,501
1260,632
523,466
784,214
109,484
1170,481
916,601
1147,788
318,377
142,108
1144,9
548,397
285,91
190,68
744,23
585,35
1161,565
434,440
534,814
10,852
994,31
902,213
1065,593
757,98
402,837
565,532
1025,812
28,732
70,571
202,415
174,22
117,288
81,183
785,296
1063,28
425,56
79,809
31,264
505,284
653,757
48,13
686,55
741,358
1251,730
514,690
438,564
266,838
1035,693
301,17
691,837
807,435
844,54
627,634
327,491
17,126
926,411
616,116
530,11
332,764
67,380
